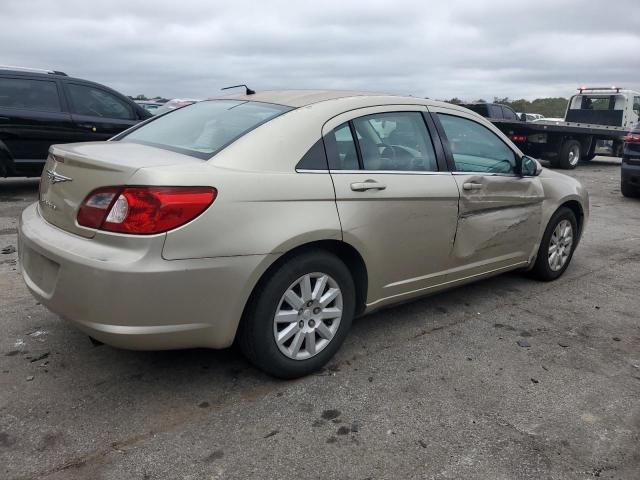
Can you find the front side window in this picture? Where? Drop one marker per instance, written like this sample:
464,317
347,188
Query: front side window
204,128
95,102
509,114
41,95
475,148
636,105
396,141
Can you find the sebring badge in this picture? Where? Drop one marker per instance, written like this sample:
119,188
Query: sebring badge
57,178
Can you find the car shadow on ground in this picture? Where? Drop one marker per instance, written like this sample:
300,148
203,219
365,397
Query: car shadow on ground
369,334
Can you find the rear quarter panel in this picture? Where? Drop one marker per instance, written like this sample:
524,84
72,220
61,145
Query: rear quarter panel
263,205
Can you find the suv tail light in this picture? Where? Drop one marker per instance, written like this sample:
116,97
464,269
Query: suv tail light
632,138
143,210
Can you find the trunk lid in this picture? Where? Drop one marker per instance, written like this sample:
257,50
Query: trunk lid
72,171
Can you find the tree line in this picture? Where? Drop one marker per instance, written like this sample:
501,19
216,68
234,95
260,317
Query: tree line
549,107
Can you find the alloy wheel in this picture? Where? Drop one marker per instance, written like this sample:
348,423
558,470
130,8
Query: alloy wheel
560,245
308,316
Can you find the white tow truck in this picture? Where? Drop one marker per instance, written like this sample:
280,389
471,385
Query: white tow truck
596,119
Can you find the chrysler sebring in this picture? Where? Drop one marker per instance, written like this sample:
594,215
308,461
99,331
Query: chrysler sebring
272,219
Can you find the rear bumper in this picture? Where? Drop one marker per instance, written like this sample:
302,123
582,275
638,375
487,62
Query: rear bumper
128,296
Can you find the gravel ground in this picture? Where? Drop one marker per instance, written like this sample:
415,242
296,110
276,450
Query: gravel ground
436,389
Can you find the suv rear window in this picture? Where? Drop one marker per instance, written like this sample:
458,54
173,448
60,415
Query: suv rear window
41,95
204,128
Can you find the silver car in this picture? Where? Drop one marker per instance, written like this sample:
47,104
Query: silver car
275,218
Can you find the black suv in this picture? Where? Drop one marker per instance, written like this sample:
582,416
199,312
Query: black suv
40,107
493,111
630,171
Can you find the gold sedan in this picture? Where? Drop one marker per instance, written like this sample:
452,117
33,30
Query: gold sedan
274,218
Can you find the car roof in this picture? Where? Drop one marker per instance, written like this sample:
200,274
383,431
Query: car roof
346,98
52,75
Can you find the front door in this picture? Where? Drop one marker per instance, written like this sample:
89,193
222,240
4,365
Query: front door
98,114
500,210
396,206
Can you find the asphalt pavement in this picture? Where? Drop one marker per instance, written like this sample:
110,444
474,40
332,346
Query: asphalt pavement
508,378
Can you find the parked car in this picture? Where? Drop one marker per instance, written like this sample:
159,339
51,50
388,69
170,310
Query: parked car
494,111
529,117
175,103
275,218
41,107
630,171
149,105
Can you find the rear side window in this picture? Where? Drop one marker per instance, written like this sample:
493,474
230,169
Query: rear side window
204,128
475,148
41,95
96,102
341,149
396,141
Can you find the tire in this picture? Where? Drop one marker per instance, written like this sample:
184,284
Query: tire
258,328
628,190
543,268
569,155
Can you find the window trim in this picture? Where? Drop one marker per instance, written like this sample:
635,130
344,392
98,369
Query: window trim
449,153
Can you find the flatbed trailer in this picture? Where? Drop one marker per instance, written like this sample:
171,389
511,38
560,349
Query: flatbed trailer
564,144
593,117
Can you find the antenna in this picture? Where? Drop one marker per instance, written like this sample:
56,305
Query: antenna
247,92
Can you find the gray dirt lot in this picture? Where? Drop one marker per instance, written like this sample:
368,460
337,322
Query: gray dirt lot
438,388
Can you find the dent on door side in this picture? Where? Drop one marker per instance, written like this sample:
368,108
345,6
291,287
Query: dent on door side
508,226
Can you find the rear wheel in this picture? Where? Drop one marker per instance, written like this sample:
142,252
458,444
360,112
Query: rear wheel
299,315
557,246
569,155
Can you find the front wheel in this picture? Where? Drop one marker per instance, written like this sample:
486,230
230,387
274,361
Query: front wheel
557,246
299,315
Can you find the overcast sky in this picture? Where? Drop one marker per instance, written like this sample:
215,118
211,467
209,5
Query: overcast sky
465,48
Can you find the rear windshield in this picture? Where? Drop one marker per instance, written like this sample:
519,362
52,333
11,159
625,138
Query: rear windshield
203,129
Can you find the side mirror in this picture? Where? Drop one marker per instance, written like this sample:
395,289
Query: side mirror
530,167
523,117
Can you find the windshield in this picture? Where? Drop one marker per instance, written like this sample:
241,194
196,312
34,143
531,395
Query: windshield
203,129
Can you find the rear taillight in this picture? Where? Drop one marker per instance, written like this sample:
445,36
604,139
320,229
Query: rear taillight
518,138
143,210
632,138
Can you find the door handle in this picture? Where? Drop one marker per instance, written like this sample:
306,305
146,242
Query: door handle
471,186
367,185
88,126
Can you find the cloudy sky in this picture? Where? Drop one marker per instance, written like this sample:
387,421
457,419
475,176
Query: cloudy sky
466,48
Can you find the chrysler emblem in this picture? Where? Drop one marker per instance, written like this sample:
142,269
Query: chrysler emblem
57,178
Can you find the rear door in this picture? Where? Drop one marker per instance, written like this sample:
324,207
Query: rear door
500,211
31,118
97,113
397,204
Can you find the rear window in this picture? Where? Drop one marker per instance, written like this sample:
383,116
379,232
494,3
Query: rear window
203,129
480,109
27,94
